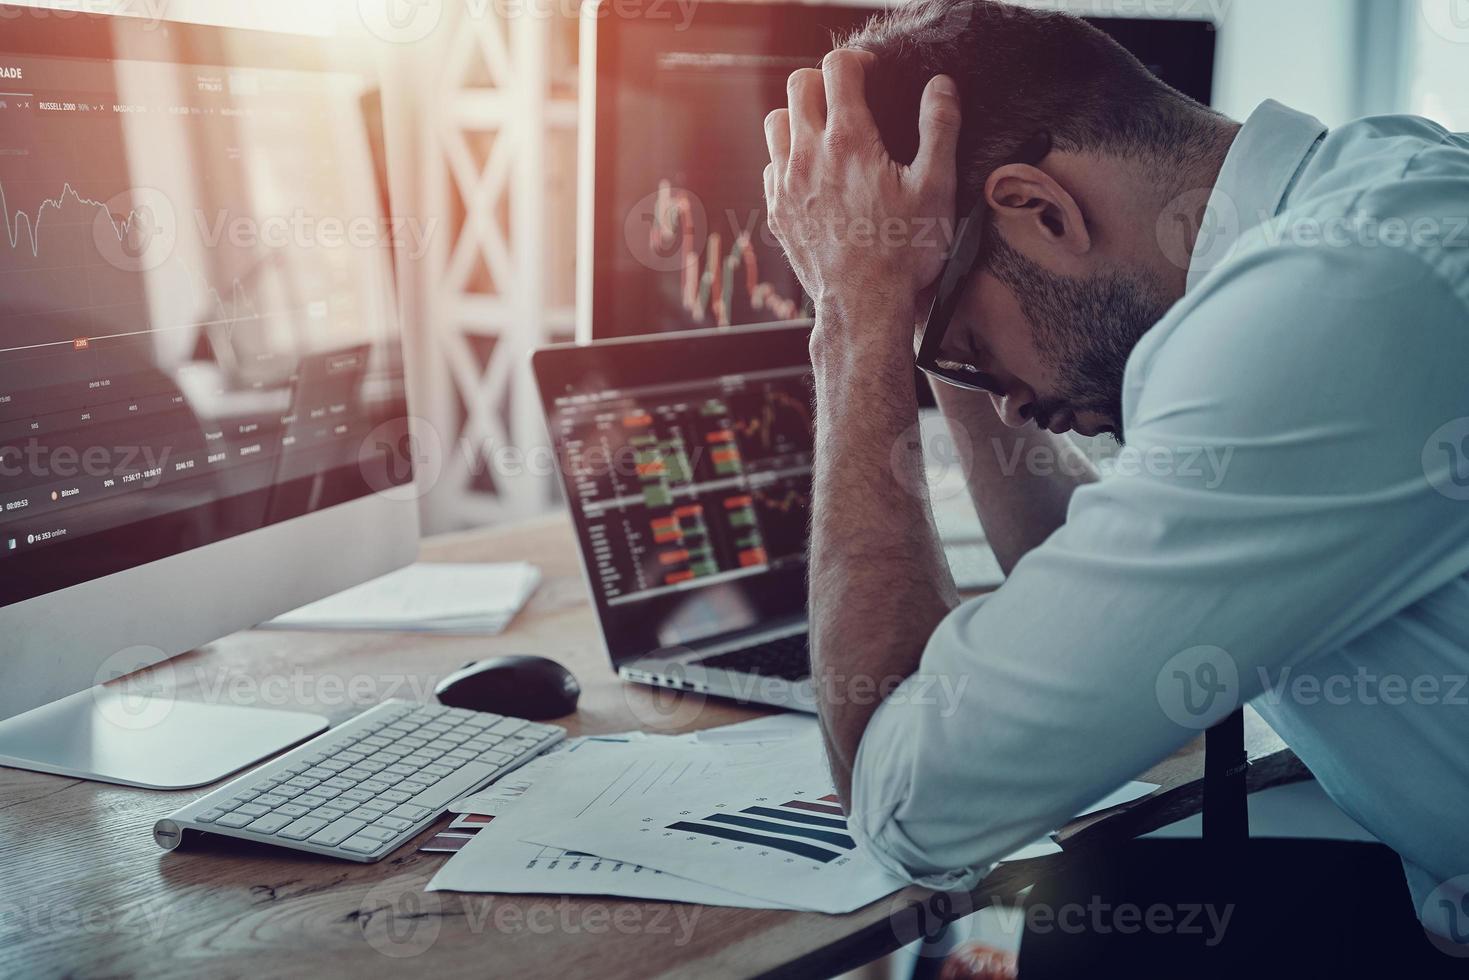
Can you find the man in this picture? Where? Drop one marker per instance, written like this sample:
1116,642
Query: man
1289,519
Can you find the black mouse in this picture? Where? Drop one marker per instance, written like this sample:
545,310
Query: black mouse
532,688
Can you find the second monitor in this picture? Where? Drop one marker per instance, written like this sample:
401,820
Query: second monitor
672,215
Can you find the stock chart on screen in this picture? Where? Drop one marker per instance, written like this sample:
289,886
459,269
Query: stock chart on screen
197,333
688,484
682,240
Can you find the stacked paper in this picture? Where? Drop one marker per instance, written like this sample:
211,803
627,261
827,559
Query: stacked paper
740,816
424,598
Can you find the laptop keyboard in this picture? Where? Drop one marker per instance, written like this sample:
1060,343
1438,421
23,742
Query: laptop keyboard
788,658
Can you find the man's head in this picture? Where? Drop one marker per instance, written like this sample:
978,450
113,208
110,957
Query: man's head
1077,268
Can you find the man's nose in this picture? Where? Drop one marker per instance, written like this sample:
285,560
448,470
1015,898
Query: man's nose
1015,405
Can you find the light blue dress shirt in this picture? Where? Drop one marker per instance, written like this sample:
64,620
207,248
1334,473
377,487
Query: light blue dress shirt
1288,525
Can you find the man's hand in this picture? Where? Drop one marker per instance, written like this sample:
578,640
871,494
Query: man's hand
853,222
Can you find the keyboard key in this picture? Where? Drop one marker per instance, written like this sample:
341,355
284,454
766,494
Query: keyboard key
356,774
214,813
337,832
342,782
317,773
393,823
312,800
293,809
335,765
252,810
380,805
270,799
375,786
409,811
235,820
438,770
270,823
378,833
395,795
303,828
363,845
357,795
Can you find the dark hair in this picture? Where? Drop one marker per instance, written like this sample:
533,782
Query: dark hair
1021,71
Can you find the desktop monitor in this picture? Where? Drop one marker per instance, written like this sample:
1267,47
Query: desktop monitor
672,229
202,403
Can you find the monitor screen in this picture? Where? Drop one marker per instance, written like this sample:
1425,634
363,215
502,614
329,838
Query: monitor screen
679,239
687,462
198,334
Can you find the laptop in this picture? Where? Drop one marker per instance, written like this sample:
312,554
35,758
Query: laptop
686,460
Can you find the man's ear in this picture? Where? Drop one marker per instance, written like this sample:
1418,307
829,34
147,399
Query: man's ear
1037,215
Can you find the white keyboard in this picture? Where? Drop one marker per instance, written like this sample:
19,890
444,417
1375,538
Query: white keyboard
367,786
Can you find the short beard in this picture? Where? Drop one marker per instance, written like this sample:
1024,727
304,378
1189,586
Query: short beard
1085,329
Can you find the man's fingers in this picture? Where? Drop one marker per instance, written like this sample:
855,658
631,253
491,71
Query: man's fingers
939,116
778,137
770,179
806,92
844,72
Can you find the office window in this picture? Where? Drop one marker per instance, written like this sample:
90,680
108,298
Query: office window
1437,58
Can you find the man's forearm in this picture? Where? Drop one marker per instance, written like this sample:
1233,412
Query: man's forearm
1021,480
879,582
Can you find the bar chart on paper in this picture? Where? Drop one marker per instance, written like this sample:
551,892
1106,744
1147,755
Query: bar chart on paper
775,831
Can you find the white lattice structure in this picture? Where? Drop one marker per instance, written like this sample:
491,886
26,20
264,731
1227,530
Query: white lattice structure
496,119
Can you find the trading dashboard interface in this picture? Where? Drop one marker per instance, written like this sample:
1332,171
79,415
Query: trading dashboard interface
691,495
679,236
197,328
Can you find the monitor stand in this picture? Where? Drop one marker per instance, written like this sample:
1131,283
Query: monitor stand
110,736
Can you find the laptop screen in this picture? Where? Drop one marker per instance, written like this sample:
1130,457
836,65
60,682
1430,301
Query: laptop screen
687,464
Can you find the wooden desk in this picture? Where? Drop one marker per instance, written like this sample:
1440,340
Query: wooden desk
84,890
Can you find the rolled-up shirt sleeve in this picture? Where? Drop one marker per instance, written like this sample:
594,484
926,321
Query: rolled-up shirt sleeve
1266,511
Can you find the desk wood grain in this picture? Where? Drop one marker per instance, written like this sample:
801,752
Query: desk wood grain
84,891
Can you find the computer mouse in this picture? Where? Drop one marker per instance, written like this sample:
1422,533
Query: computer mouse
532,688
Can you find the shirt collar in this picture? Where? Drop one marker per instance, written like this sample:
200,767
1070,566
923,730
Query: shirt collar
1267,157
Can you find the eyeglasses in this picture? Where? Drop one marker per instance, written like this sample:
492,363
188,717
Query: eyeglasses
950,363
